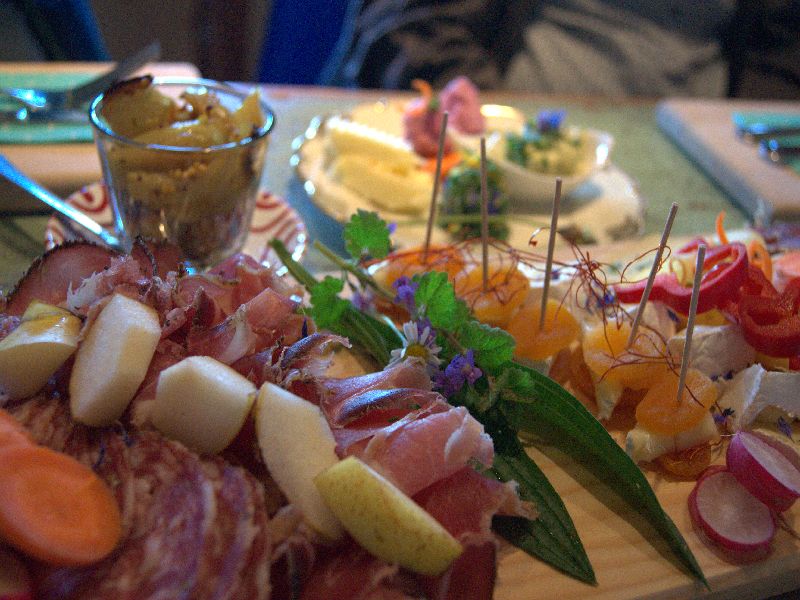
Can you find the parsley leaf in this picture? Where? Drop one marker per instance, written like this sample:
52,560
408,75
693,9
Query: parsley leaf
436,298
366,235
327,307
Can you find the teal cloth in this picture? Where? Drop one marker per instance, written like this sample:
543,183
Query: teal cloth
743,120
42,133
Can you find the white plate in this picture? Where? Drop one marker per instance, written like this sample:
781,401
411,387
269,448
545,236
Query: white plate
272,218
604,209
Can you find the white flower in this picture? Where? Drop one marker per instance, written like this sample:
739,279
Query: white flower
419,343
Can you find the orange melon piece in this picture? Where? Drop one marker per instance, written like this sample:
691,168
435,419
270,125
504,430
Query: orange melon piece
663,413
559,330
605,353
505,292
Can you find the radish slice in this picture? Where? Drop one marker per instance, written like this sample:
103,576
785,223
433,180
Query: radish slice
769,469
15,583
731,516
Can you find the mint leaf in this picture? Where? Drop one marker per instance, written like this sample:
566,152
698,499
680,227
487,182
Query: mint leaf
493,347
436,298
327,307
366,235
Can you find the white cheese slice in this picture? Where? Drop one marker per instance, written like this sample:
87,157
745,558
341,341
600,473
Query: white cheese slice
642,445
389,186
755,389
349,137
607,395
717,350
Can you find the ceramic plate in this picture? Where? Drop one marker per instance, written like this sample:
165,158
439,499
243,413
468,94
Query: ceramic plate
272,218
605,208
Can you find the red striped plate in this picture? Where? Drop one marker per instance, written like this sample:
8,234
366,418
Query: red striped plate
272,218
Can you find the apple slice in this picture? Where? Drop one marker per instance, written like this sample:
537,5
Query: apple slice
384,520
202,403
45,338
112,361
297,444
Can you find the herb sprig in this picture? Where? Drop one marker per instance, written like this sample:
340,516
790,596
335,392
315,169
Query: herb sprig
509,399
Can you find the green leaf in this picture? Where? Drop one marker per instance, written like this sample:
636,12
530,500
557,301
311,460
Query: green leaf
437,300
540,407
366,235
551,537
327,307
493,347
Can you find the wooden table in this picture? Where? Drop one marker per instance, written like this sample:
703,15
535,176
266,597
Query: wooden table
627,566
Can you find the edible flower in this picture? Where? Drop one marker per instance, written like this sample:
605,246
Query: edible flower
405,289
420,343
461,370
548,121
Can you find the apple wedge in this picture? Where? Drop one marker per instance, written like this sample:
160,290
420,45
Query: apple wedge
202,403
297,444
384,520
45,338
112,361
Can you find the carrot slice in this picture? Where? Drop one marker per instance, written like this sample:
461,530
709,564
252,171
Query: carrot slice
723,238
54,508
12,432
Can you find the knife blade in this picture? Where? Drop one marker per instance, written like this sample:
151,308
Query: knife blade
23,115
82,94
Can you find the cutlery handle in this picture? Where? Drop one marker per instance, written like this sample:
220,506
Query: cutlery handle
94,229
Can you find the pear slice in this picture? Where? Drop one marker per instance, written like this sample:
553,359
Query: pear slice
112,361
202,403
297,444
384,520
45,338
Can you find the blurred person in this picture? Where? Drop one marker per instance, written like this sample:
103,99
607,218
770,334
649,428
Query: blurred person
610,48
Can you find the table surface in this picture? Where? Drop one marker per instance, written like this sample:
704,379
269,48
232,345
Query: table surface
663,174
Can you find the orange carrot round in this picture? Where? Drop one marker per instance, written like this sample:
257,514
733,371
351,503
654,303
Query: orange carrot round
54,508
12,432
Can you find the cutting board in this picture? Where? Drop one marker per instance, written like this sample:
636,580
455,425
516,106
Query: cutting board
704,129
627,565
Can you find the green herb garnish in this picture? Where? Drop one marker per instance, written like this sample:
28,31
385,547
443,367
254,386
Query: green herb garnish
509,399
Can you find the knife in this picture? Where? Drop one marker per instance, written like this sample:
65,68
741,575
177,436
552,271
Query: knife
761,131
23,115
45,101
82,94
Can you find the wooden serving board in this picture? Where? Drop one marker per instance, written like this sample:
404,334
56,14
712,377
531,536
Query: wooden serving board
627,565
704,129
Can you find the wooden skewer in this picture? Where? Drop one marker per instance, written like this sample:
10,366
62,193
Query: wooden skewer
551,246
653,270
484,216
687,344
436,176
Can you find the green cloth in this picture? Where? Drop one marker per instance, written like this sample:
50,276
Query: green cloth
42,133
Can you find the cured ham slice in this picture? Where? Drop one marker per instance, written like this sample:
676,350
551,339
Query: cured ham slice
253,327
55,272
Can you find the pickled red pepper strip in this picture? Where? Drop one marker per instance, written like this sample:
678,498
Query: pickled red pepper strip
770,321
720,282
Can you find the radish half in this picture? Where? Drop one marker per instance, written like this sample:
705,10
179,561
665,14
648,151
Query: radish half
768,469
730,515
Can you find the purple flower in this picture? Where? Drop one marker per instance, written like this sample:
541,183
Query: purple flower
784,427
364,300
392,227
550,120
405,289
461,370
